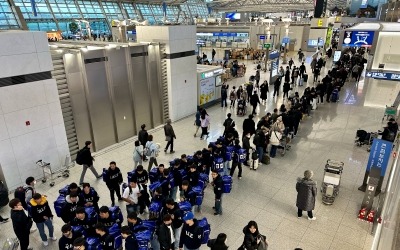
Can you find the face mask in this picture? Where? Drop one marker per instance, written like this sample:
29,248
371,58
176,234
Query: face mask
34,182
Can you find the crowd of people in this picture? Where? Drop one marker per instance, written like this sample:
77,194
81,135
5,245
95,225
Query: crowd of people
172,194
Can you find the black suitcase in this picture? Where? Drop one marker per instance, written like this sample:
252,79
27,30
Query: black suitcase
305,77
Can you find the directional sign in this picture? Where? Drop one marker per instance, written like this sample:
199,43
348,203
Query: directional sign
286,40
267,45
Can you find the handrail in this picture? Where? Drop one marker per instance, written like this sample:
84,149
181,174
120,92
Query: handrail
394,172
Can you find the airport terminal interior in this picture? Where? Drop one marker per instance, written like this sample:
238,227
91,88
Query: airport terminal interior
84,70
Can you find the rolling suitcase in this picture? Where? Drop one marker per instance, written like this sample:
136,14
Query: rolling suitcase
11,244
254,160
305,77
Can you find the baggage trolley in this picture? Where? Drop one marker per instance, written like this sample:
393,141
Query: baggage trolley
11,244
331,181
390,112
48,173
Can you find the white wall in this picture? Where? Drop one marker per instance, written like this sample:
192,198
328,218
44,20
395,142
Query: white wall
37,102
387,49
182,73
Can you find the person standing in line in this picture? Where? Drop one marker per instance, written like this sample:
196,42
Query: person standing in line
138,154
236,161
166,234
286,89
249,126
191,233
42,215
205,123
218,185
87,161
66,242
152,151
197,121
21,223
169,136
143,137
130,239
113,179
316,74
247,147
306,192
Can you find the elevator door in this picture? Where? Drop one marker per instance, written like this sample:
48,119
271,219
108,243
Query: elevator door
98,98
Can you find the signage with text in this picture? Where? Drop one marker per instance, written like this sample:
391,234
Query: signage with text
379,155
358,38
383,75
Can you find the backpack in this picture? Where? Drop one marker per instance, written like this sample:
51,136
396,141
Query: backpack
206,228
155,209
185,206
123,187
198,192
93,243
256,139
227,180
20,193
203,180
218,164
91,214
391,136
153,175
79,229
116,214
229,152
241,155
143,238
115,232
131,175
64,191
232,95
59,204
3,195
79,157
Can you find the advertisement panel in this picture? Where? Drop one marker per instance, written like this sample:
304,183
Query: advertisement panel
379,155
207,90
358,38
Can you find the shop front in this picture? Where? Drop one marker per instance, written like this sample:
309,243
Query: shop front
209,85
223,39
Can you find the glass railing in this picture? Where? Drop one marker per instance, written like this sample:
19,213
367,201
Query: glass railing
386,234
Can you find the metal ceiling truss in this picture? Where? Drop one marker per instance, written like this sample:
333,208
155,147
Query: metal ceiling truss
262,5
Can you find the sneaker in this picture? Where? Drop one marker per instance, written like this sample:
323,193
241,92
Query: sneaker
216,214
213,208
165,150
239,177
98,177
313,218
30,248
45,243
54,238
299,217
171,152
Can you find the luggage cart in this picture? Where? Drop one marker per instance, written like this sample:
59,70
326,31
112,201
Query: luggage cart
48,173
11,244
390,112
331,182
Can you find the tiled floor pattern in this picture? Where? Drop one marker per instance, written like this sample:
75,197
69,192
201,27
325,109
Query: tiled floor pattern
267,195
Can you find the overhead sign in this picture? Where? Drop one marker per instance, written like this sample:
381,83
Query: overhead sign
230,34
267,45
263,37
358,38
274,54
379,155
286,40
383,75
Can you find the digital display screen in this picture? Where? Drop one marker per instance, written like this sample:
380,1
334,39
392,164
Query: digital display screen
358,38
233,16
314,42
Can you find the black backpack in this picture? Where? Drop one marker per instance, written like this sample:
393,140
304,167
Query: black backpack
20,193
3,194
79,157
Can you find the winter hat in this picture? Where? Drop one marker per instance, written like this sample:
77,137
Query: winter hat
188,216
308,174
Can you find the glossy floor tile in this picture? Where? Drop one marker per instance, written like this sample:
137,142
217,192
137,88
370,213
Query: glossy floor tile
267,195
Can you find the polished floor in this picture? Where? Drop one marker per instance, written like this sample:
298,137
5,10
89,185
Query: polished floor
268,195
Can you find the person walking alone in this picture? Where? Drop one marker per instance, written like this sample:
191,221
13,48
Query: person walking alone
142,137
152,151
138,154
113,179
306,192
169,136
87,161
205,123
254,101
197,121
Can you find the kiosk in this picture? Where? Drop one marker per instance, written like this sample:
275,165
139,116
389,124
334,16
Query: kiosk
208,84
274,69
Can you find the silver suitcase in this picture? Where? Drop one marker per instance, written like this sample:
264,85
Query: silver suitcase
11,244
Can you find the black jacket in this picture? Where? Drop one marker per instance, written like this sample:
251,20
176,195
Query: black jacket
176,212
254,100
218,187
249,126
114,177
87,224
142,137
246,143
193,178
92,197
38,211
68,211
21,223
86,156
164,237
212,246
250,240
107,242
191,236
177,175
68,243
142,178
131,243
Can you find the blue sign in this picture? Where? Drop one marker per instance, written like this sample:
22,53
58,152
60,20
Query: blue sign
379,155
383,75
358,38
224,34
315,42
133,32
274,54
262,37
286,40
